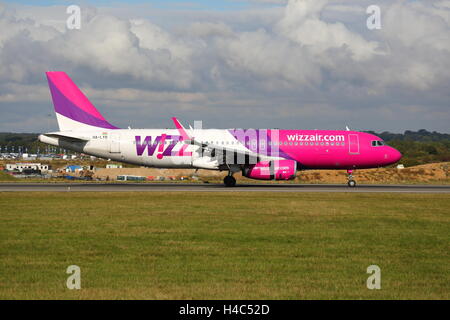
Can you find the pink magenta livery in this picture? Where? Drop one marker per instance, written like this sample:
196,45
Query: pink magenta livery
262,154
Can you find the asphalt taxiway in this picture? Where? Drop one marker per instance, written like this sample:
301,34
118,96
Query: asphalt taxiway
212,187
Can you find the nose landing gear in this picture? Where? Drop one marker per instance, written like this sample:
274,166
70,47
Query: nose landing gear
351,183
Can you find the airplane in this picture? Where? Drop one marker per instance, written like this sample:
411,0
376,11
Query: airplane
261,154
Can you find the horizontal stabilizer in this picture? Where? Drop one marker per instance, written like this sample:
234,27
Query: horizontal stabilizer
67,137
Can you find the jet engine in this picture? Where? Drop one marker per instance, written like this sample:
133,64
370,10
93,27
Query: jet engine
272,170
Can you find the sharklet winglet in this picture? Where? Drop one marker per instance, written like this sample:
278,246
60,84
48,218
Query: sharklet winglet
181,129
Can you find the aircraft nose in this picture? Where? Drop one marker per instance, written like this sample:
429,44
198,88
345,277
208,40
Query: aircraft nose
394,155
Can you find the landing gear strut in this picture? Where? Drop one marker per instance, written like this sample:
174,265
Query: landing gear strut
229,181
351,183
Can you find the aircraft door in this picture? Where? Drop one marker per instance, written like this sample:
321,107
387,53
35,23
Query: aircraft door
353,144
114,143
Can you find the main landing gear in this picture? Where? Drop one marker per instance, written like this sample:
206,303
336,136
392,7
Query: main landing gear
229,181
351,183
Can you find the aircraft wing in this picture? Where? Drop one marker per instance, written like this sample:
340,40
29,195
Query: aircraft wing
230,155
246,155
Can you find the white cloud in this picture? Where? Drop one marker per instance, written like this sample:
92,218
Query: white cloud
316,56
302,23
273,60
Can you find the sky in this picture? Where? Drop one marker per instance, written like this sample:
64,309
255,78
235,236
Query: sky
294,64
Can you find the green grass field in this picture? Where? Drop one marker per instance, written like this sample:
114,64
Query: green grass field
4,177
224,245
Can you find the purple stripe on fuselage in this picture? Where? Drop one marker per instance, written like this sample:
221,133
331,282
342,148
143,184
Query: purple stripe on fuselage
68,109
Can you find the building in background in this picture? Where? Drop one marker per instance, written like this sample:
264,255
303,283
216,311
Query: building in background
114,166
73,168
23,167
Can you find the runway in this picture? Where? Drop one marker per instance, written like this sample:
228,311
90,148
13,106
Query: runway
197,187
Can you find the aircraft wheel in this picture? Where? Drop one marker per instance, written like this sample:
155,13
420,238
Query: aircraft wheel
352,183
229,181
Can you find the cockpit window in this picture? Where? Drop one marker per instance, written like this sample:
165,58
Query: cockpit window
377,143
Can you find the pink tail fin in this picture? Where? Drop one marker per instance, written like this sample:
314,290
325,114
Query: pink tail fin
72,107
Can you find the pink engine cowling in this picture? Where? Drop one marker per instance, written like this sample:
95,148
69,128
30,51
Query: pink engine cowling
272,170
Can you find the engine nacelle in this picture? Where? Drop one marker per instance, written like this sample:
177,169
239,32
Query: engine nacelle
272,170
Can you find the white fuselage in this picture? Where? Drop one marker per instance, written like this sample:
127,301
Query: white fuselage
162,148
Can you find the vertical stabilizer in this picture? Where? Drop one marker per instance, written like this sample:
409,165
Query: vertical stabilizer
73,110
